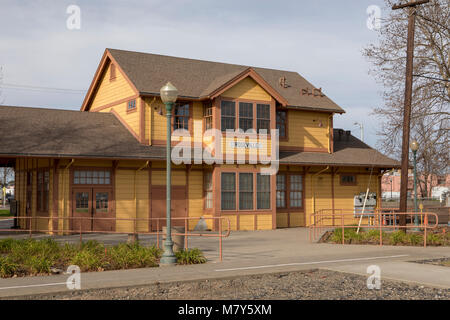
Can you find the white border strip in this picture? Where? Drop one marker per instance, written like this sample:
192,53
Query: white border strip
34,285
315,262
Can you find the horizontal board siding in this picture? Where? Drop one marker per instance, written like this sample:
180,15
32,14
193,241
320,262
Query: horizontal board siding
247,89
111,91
247,222
178,178
264,221
305,130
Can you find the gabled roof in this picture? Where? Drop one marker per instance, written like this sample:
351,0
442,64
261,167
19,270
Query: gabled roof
348,151
199,79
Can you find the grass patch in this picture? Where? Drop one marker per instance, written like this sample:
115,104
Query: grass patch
5,213
38,257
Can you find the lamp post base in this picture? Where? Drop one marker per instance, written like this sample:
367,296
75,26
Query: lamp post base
168,258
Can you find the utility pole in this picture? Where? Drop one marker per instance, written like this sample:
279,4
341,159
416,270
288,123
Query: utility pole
407,107
361,128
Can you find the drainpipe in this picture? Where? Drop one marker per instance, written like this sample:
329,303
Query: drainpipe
314,190
330,133
133,237
64,190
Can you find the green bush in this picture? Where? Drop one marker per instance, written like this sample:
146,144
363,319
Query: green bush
435,239
190,256
414,239
6,245
397,237
7,267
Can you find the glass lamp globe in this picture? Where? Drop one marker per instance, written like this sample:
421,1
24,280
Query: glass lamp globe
168,93
414,146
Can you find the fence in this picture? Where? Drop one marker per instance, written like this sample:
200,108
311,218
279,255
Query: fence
380,219
160,222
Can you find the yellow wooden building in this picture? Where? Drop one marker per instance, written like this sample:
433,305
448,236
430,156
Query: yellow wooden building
108,160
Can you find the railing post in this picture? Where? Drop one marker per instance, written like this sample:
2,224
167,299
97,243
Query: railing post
157,232
342,224
220,239
31,227
425,230
381,233
81,237
185,234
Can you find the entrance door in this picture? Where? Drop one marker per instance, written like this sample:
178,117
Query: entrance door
89,204
178,205
82,209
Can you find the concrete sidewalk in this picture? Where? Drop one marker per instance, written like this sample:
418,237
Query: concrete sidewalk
255,253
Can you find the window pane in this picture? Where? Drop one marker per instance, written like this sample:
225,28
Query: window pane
181,116
263,197
281,191
245,116
82,202
281,123
228,186
245,191
101,202
228,115
263,117
296,194
207,185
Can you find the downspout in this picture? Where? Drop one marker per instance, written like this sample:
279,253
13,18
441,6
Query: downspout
64,191
314,190
135,196
330,133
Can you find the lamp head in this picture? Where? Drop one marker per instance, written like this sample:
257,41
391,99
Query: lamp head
169,93
414,146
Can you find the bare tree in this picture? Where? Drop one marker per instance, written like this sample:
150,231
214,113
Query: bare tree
430,119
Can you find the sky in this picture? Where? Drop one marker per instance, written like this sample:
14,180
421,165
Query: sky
322,40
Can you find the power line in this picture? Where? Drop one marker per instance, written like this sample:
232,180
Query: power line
431,78
15,86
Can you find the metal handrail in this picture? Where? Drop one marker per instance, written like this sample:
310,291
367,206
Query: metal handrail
319,218
186,234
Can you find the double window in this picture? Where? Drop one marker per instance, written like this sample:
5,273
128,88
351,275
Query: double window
289,191
249,116
247,196
348,180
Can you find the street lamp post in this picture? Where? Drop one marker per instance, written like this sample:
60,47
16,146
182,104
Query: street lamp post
414,148
169,95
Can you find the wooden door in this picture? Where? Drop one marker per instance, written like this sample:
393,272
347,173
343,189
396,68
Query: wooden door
178,205
102,210
81,209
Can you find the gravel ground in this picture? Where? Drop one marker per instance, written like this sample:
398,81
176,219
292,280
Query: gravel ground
306,285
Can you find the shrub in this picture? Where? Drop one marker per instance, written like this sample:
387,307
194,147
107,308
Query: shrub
397,237
7,267
190,256
6,245
87,260
414,239
434,239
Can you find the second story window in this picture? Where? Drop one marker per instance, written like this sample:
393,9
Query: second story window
181,116
281,123
263,117
245,116
207,115
131,105
228,120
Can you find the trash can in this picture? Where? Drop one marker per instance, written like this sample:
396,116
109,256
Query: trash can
178,240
